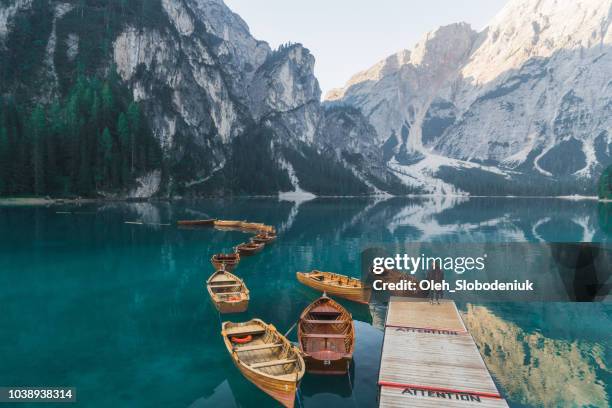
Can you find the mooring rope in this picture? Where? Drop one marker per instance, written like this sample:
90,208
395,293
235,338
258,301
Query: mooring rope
299,397
290,329
348,375
219,317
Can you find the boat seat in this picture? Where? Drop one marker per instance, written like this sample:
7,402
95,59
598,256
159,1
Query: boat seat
272,363
227,293
258,347
226,286
324,310
326,354
222,281
326,321
324,336
245,331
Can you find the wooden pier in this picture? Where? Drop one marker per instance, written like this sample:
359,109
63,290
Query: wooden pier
429,359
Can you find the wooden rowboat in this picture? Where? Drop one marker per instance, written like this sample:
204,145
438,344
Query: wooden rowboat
268,229
263,238
196,223
228,292
336,285
326,334
225,261
228,223
252,225
265,357
249,248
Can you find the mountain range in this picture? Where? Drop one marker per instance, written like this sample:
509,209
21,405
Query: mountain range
522,107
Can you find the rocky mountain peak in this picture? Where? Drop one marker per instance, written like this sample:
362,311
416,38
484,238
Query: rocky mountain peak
439,49
526,29
448,44
524,102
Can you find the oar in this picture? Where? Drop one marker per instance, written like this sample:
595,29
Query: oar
144,223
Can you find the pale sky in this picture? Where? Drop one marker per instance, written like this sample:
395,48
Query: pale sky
348,36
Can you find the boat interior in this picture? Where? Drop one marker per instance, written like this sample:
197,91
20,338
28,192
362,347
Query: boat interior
226,257
334,279
266,353
225,287
326,333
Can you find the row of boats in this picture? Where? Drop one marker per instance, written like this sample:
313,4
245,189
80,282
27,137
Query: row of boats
326,341
325,330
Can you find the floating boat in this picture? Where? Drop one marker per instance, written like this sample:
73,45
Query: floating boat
336,285
228,223
326,335
265,357
263,238
268,229
253,225
196,223
228,292
225,261
249,248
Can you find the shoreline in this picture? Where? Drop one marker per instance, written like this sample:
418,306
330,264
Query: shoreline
49,201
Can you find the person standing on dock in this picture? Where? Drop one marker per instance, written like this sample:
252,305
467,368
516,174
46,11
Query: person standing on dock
435,276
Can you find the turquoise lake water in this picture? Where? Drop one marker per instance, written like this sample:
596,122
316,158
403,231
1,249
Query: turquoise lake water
120,311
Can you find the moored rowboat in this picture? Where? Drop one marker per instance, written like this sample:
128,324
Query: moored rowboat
268,229
265,357
228,223
225,261
196,223
336,285
249,248
228,292
263,238
326,334
252,225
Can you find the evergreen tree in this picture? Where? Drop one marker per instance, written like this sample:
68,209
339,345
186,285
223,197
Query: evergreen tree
4,158
38,127
77,145
605,184
106,149
134,121
123,128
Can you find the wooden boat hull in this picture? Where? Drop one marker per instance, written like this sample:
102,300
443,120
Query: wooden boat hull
359,295
228,292
196,223
228,223
326,335
282,391
263,240
282,386
252,226
327,367
248,251
231,307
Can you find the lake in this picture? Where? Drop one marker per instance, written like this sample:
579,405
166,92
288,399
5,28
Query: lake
120,311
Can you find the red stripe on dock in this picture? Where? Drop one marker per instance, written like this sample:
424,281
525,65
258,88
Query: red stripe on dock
427,328
438,389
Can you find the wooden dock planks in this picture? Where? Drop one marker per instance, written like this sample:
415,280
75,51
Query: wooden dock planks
429,359
396,397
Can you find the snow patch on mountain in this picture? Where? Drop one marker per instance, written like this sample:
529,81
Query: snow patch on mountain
298,194
8,12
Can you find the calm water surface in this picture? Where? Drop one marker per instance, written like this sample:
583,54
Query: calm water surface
120,311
